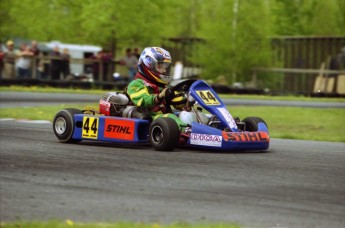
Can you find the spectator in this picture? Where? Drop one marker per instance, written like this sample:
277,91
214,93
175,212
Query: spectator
65,68
24,62
34,49
337,62
45,65
9,61
341,59
136,53
95,65
106,60
41,66
131,61
55,63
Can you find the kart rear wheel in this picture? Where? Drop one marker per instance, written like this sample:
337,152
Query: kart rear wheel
164,134
252,123
63,124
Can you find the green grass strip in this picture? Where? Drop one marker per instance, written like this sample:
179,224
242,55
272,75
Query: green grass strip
40,112
298,122
47,89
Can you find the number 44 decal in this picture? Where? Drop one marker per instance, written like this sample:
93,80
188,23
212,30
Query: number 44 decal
207,97
90,127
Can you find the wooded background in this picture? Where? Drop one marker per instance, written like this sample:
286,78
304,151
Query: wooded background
233,36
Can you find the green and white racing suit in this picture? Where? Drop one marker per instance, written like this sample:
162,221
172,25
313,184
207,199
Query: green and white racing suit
142,94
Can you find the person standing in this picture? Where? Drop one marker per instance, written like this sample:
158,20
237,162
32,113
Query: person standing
136,52
55,63
131,61
96,58
9,61
65,68
34,48
24,62
36,58
106,61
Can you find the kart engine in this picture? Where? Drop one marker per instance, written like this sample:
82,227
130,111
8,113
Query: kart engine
113,104
116,104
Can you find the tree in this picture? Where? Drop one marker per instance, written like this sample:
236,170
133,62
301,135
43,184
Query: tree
236,32
105,22
231,50
41,20
309,17
130,23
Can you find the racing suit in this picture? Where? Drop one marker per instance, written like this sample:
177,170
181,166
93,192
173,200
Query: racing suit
142,94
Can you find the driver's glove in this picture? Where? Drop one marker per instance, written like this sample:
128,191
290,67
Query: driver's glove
159,98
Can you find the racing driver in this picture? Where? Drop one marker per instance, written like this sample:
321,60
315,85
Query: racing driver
149,88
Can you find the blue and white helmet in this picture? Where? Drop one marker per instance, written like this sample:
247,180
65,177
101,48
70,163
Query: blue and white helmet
154,64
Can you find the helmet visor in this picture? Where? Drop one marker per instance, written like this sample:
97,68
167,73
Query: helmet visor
163,68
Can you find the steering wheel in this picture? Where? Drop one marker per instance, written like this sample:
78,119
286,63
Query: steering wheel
178,91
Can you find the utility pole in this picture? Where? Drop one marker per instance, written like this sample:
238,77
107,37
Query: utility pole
234,34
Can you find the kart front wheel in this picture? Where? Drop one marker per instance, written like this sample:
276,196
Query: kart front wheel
164,134
252,123
63,124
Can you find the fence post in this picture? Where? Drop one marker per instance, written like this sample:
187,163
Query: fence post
34,67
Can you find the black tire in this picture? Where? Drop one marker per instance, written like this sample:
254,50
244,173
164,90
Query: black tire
164,134
63,124
252,123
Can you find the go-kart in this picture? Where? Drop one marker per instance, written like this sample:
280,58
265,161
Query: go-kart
209,125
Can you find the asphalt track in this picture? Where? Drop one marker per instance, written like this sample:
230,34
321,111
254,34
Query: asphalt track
295,184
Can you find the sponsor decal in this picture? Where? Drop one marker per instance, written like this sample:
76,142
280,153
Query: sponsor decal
105,103
90,127
246,136
207,97
228,117
104,107
119,129
206,140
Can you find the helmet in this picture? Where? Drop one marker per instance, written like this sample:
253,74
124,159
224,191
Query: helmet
154,64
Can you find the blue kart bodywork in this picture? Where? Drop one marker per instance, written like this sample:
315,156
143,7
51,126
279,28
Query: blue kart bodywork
226,137
206,137
229,140
111,129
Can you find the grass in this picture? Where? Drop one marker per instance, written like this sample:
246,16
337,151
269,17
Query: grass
283,122
42,89
284,98
70,223
298,122
39,112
